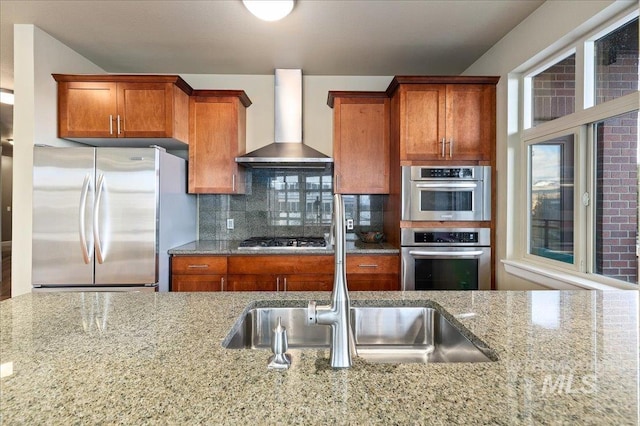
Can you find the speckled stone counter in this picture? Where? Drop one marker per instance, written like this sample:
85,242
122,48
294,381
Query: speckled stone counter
221,247
156,358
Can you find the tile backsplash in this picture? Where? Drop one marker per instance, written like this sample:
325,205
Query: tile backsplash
283,202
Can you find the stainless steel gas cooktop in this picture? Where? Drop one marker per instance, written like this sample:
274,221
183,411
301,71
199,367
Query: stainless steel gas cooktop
266,243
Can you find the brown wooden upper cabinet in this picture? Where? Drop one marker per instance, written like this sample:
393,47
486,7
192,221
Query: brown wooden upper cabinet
444,118
360,142
217,135
99,109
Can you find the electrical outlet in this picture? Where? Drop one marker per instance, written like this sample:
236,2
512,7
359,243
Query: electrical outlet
230,224
349,224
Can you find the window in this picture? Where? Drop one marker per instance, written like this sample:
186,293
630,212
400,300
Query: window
551,189
616,62
582,157
554,91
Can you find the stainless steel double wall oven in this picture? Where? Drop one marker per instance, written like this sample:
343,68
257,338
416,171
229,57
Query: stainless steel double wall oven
447,257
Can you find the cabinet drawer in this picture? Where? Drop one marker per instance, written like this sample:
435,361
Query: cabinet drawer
199,265
372,264
281,264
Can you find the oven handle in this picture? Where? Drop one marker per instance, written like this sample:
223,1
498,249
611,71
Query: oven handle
422,253
447,185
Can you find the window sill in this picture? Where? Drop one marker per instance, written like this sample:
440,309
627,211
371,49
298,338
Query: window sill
558,280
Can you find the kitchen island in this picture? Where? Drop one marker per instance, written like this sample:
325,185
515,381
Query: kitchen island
567,357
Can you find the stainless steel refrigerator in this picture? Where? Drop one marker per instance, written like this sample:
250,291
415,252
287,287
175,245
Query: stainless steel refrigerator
104,218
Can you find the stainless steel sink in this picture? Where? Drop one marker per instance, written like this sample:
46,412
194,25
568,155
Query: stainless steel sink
390,334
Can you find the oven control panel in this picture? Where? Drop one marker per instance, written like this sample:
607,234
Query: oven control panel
441,237
445,237
448,173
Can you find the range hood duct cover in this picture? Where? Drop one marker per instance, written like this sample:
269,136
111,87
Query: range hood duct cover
288,149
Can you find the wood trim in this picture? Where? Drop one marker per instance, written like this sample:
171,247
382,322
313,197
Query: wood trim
353,94
240,94
438,79
126,78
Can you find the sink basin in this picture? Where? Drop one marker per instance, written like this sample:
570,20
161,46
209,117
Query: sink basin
389,334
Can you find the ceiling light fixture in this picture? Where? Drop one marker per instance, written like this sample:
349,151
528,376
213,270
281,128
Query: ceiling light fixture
6,96
269,10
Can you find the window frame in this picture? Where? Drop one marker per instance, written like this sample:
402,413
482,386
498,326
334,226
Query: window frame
578,180
581,124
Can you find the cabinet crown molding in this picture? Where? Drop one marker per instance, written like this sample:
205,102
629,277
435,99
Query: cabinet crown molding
438,79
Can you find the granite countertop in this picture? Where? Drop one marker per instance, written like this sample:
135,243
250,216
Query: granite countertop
222,247
565,357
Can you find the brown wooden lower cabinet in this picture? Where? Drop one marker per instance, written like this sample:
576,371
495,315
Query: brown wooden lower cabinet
282,273
198,273
373,272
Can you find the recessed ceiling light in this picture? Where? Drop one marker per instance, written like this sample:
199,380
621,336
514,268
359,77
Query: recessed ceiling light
269,10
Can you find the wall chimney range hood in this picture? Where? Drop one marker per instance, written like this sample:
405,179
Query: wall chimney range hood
287,151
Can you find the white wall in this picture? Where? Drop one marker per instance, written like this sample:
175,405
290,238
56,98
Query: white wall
552,26
317,116
36,56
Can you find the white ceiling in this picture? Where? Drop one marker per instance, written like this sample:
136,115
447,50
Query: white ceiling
323,37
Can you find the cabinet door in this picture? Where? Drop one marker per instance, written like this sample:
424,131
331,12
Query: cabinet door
422,121
145,110
216,137
251,282
87,109
470,121
361,145
307,282
198,282
373,282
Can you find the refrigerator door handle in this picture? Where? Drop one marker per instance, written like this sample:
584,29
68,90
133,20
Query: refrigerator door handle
87,251
96,220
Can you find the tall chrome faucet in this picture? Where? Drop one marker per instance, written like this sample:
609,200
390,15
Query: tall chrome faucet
337,314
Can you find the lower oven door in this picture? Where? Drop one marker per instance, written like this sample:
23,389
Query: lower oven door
446,268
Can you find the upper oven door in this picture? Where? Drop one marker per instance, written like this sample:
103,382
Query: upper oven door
446,194
444,200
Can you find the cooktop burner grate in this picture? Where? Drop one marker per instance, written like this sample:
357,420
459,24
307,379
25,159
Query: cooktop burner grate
283,242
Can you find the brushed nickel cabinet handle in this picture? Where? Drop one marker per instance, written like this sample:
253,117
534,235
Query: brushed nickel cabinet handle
368,265
118,123
200,266
110,124
222,284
